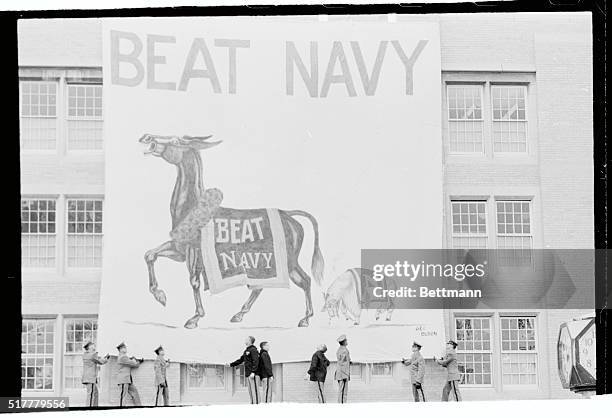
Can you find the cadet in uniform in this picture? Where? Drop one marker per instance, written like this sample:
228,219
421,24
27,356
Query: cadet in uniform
161,383
417,371
343,368
452,368
250,358
91,361
124,376
265,372
318,371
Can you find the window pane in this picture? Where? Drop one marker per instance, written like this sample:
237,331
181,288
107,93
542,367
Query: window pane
85,134
205,376
84,238
465,118
38,111
356,370
37,354
85,101
382,369
37,233
73,371
469,224
509,118
519,357
40,96
514,232
473,337
78,332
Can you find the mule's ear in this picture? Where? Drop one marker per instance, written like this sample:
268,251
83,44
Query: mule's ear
198,142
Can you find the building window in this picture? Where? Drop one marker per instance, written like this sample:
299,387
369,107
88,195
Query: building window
202,376
469,224
84,117
382,369
78,332
38,115
38,232
518,351
37,354
356,370
513,224
465,118
473,336
239,377
509,118
84,236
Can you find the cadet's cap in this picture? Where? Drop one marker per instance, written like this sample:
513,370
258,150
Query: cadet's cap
414,343
157,349
341,338
454,344
87,344
120,346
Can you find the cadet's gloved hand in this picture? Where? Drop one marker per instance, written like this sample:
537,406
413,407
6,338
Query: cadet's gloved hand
417,385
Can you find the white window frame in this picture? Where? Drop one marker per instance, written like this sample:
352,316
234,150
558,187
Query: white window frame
536,352
55,234
448,120
469,235
238,374
488,79
358,366
525,87
489,352
69,119
529,202
382,376
57,116
68,234
67,101
197,389
25,356
78,349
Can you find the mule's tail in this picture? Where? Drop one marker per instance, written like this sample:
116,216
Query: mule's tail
318,264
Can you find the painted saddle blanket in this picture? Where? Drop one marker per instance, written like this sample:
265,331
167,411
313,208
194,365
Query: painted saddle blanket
244,247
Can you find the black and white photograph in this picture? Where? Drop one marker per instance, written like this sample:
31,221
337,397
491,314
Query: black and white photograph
289,206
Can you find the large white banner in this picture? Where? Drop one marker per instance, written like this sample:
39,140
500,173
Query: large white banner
330,142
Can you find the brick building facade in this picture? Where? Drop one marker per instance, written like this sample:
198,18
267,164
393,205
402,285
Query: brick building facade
518,172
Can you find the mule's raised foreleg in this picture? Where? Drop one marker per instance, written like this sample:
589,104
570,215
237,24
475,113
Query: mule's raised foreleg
302,280
247,305
167,249
195,266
